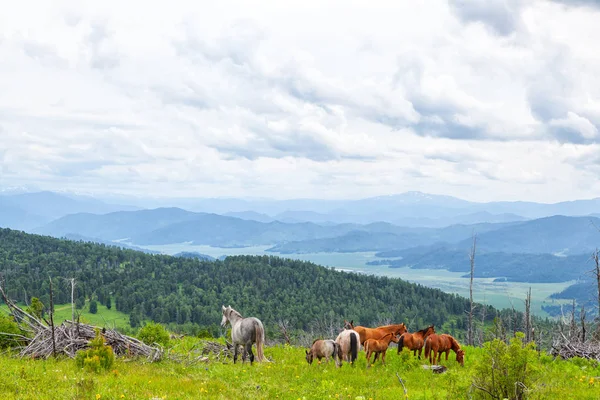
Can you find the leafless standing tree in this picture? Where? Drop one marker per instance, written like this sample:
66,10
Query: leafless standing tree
596,272
527,316
472,306
73,299
582,320
284,327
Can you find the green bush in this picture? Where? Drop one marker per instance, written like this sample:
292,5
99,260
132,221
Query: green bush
154,333
204,334
98,357
93,307
8,325
505,371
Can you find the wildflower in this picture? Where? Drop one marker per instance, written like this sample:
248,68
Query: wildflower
122,396
591,380
98,396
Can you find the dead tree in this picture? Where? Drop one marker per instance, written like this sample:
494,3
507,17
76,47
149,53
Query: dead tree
72,299
472,305
46,341
527,316
52,319
284,327
596,272
582,320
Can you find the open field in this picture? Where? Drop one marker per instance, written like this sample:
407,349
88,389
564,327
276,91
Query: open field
287,377
497,294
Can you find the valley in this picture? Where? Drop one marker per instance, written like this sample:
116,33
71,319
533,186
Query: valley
499,294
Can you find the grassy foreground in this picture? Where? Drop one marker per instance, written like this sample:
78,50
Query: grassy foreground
287,377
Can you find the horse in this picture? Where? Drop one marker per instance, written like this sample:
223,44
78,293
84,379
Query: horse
415,341
379,347
437,344
348,341
379,332
244,331
323,348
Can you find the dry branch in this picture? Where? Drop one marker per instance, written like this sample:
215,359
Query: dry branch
571,347
70,337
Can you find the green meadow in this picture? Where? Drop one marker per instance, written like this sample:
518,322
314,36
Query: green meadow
288,376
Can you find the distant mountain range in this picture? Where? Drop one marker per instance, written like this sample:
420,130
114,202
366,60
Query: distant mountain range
552,235
26,211
406,209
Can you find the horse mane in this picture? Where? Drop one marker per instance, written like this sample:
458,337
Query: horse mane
232,311
424,330
454,343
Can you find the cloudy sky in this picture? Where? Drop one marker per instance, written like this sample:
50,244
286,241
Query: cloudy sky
483,99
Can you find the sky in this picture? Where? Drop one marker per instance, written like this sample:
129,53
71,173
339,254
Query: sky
484,100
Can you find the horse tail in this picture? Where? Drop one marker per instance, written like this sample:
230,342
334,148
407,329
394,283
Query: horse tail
400,343
260,342
427,346
353,347
336,350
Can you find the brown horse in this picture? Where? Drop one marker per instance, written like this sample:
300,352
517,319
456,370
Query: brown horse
377,333
437,344
415,341
379,346
323,348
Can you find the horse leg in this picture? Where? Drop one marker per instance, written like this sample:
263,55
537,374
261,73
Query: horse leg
447,352
420,351
249,351
235,353
368,359
383,356
244,353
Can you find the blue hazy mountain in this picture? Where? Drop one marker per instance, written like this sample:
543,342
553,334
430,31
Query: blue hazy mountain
26,211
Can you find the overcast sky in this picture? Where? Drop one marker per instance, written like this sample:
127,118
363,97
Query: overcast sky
483,100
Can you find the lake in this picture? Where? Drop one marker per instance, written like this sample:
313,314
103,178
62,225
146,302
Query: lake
485,290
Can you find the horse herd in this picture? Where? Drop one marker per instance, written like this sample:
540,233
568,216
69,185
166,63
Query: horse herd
375,341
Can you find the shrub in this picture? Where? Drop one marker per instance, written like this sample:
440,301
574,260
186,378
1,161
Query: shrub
98,357
204,334
8,325
93,307
505,371
154,333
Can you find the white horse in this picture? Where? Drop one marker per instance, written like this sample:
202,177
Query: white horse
244,331
349,342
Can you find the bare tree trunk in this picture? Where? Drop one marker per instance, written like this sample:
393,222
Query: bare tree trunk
528,316
472,306
284,325
52,319
582,319
572,325
596,258
72,299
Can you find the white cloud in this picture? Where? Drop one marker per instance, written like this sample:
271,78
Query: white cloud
482,100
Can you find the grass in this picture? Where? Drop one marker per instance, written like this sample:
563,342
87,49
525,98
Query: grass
287,377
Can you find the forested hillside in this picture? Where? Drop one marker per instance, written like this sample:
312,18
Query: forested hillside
190,291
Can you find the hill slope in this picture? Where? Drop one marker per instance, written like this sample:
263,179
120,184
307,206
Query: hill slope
557,234
187,290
